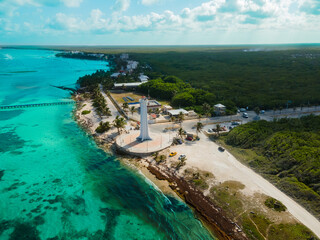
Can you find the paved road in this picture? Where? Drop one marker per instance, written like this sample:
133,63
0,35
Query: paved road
188,125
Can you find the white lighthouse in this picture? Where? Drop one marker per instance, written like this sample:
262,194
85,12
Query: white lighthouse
144,131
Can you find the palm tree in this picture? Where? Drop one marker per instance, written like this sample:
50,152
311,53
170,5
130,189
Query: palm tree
106,111
103,127
199,127
218,129
132,110
125,105
257,110
206,109
119,123
157,111
181,133
180,118
172,119
199,117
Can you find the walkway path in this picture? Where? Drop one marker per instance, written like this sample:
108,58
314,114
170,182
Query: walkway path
113,109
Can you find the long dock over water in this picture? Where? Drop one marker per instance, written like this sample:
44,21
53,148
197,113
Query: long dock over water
36,105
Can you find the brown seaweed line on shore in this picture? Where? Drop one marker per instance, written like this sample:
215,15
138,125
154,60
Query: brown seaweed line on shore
214,216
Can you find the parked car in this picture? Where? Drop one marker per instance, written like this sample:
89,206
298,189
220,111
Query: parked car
235,123
245,115
242,110
179,141
262,112
221,149
189,138
172,154
210,130
182,156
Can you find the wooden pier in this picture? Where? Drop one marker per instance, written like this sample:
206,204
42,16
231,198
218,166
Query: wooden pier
36,105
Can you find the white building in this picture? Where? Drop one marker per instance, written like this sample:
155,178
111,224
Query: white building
143,78
115,75
176,112
127,85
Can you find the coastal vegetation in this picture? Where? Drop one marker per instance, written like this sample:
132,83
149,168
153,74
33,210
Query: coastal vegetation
100,103
103,127
275,204
119,123
85,112
286,152
256,220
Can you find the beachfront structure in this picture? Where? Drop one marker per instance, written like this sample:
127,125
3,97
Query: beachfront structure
219,109
176,112
144,131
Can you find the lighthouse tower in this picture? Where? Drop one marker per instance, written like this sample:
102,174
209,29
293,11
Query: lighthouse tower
144,131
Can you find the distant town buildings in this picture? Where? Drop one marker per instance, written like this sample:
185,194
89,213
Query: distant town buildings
131,65
124,56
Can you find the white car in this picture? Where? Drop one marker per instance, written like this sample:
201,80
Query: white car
182,156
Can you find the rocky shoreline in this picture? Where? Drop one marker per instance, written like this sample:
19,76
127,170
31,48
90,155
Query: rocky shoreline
213,216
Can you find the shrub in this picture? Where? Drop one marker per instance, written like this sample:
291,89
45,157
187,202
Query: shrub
275,204
84,112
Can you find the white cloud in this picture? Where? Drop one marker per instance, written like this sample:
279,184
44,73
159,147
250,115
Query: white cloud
208,17
148,2
121,5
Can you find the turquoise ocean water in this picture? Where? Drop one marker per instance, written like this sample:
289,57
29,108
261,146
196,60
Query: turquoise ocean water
54,181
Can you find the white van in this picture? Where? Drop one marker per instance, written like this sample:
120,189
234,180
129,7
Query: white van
245,115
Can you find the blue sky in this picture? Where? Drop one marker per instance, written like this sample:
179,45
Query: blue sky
159,22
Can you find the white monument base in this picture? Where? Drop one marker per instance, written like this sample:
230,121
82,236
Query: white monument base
128,143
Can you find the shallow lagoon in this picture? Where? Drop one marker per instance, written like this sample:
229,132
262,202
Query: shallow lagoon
54,182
